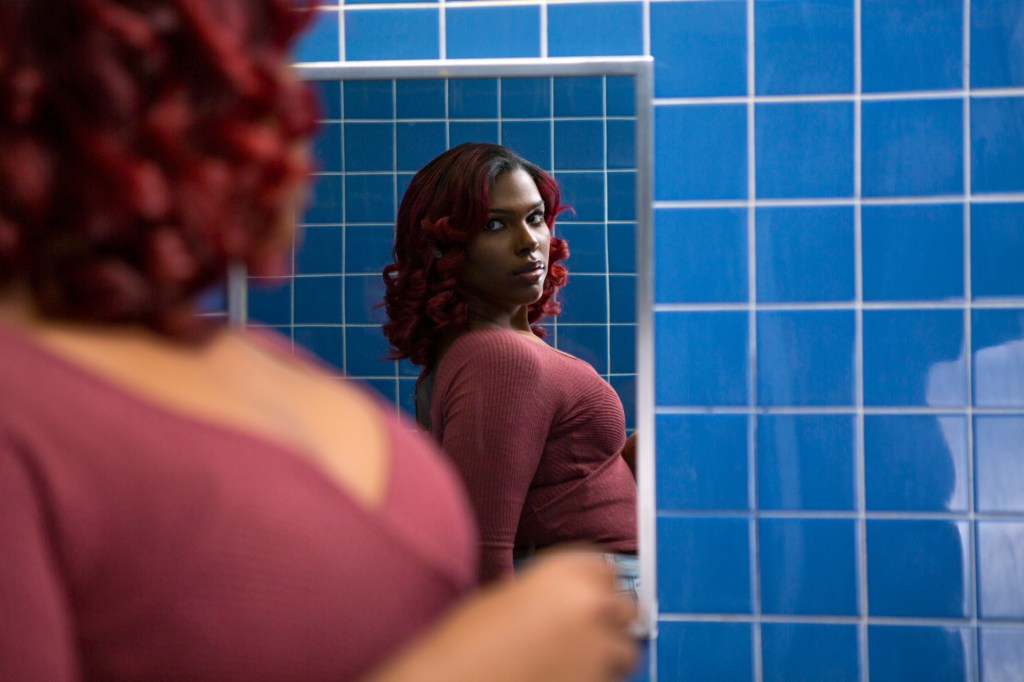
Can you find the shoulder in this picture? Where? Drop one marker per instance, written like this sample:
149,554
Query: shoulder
495,350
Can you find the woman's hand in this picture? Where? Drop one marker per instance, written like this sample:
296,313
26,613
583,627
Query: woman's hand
559,620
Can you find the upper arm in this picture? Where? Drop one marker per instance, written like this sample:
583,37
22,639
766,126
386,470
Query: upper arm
495,415
36,632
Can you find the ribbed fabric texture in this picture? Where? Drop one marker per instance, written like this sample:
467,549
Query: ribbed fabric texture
536,434
138,544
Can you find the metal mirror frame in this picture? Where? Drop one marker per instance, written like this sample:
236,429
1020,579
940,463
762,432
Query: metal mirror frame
640,68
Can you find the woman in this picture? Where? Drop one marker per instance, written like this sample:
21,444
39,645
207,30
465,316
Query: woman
535,433
179,500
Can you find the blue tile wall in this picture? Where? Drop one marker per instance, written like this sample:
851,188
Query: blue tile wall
839,208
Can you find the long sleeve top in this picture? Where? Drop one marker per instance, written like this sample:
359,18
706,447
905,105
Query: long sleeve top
536,435
140,544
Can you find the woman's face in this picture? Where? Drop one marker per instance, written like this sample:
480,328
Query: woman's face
506,263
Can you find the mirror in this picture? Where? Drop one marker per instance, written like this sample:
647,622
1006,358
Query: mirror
585,121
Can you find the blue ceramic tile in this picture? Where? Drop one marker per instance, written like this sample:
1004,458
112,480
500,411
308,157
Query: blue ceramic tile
997,44
365,350
327,148
917,569
380,388
915,463
407,369
1001,653
805,254
701,358
586,247
585,299
370,99
997,144
808,566
363,296
705,651
936,654
369,198
700,255
529,139
213,300
785,653
584,193
625,387
803,47
805,462
327,343
369,147
708,155
270,300
420,98
326,200
476,32
595,29
623,348
320,42
367,248
622,195
587,342
913,357
402,180
472,131
525,97
1000,553
406,398
622,247
621,143
912,147
383,34
998,465
913,253
418,143
329,95
318,300
804,150
473,98
703,565
320,250
699,49
998,340
579,145
997,242
620,97
622,298
374,2
805,357
578,96
909,45
702,462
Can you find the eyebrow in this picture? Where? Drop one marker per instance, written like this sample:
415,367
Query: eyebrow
505,211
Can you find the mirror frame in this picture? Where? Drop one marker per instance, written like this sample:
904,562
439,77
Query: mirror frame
641,69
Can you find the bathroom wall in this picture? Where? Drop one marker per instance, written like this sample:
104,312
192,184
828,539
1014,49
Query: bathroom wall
839,200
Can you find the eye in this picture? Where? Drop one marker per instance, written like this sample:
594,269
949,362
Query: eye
493,225
536,218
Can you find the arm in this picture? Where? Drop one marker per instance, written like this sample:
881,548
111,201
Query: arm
559,621
494,418
36,633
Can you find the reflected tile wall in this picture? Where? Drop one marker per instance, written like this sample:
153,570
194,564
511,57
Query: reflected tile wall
839,227
377,134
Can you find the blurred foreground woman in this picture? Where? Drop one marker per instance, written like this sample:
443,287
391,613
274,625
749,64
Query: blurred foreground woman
179,500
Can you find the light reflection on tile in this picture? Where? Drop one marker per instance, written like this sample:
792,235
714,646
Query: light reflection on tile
1001,569
1001,654
999,464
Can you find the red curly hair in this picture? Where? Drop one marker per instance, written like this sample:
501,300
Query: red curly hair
443,210
147,144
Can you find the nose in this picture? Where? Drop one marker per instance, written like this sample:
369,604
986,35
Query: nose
526,240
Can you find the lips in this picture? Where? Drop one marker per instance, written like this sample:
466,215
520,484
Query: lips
529,267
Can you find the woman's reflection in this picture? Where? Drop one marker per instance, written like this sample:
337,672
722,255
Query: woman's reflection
536,433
